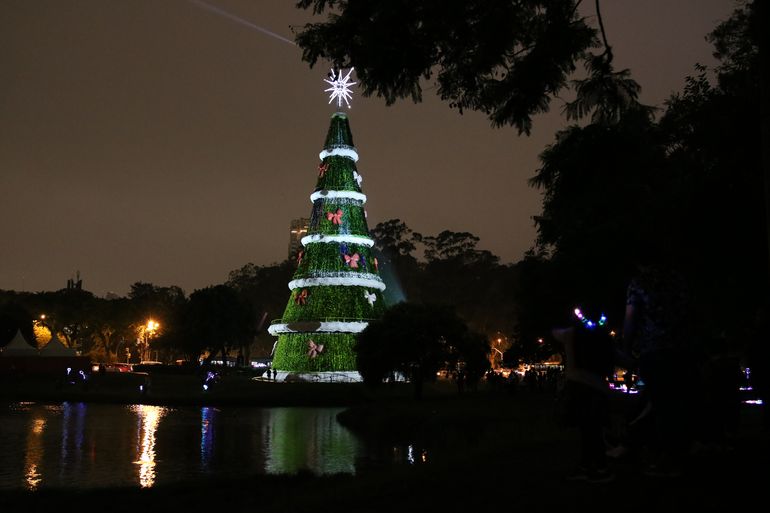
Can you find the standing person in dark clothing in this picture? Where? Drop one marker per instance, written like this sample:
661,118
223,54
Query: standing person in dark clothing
588,362
655,332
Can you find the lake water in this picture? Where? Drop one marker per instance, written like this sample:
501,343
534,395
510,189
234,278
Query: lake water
79,445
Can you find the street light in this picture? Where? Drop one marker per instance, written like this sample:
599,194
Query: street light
149,330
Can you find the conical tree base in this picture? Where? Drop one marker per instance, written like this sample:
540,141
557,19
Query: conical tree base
336,288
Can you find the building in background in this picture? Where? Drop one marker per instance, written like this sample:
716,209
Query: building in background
297,230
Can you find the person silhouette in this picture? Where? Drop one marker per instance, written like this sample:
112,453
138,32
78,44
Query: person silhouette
758,360
588,363
655,332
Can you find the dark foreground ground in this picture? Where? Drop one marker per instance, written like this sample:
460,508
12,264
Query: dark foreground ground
487,450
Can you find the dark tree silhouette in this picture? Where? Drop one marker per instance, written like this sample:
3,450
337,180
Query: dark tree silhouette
265,289
110,328
67,313
14,317
605,94
394,248
452,271
394,237
505,59
714,145
218,318
686,186
416,340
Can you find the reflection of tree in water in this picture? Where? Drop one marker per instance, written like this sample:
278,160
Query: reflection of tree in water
307,438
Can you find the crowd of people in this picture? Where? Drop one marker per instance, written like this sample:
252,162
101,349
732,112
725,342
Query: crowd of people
690,388
688,385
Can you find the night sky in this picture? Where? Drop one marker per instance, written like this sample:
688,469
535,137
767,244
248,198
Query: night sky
160,141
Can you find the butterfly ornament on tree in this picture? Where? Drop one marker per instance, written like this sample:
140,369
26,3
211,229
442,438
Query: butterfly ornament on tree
314,349
301,298
352,260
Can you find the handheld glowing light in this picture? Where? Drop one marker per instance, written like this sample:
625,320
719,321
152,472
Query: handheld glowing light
588,323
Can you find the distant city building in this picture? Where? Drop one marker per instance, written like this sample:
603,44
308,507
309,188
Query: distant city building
75,283
297,230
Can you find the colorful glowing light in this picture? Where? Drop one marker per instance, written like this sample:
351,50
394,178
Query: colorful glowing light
588,323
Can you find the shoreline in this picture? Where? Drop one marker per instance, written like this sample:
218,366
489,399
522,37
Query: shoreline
233,390
499,449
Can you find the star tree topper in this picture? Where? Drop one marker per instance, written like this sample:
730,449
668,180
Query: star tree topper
340,87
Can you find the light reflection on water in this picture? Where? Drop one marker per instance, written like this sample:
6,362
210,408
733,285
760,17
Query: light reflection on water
149,418
101,445
207,435
34,453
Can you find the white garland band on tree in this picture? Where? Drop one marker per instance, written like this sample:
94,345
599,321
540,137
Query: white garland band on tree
351,195
352,239
331,281
318,327
341,151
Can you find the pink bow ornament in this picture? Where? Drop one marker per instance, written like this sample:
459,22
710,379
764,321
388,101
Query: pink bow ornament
335,217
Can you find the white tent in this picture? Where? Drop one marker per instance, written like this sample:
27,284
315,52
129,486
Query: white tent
55,348
18,347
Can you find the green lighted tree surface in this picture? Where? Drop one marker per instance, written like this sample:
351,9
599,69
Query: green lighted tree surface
338,211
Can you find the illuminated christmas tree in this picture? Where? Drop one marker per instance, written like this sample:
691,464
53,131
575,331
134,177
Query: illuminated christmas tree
336,288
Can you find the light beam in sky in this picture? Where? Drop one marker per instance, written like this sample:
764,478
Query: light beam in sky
236,19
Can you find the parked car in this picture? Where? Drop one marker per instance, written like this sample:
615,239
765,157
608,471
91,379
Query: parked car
111,367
